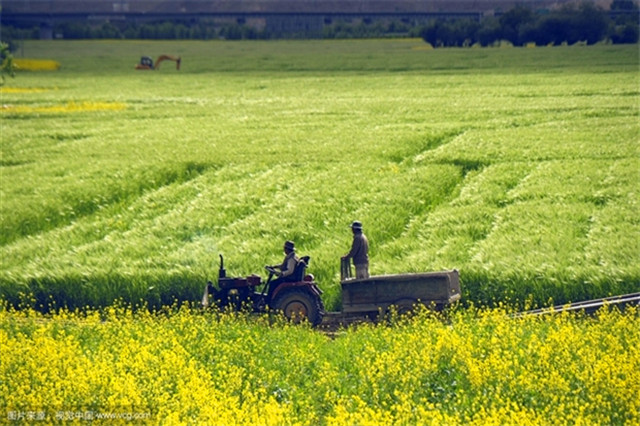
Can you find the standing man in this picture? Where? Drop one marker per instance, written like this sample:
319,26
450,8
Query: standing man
359,251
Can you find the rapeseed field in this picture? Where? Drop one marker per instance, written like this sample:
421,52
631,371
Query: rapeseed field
184,366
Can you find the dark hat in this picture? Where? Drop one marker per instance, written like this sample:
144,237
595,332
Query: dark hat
289,245
356,225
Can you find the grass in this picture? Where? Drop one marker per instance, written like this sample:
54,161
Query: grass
519,167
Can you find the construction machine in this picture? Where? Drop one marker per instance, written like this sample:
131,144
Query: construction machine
146,63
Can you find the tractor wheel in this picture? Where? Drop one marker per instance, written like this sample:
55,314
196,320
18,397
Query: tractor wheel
298,305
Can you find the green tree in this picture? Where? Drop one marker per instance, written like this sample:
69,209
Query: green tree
8,67
108,30
625,28
489,31
627,33
513,21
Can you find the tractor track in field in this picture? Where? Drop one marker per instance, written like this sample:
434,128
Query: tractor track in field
588,306
334,322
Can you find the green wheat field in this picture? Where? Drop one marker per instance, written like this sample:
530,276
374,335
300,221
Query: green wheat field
119,188
518,167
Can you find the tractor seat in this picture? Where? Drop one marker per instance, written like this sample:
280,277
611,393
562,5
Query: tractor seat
301,267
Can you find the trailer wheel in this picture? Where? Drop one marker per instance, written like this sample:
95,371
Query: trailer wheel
298,305
404,306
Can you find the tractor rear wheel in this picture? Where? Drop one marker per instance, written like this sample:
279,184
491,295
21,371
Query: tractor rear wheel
298,305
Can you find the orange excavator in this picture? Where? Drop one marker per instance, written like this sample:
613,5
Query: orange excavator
146,63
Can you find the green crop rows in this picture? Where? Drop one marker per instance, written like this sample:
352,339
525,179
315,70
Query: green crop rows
518,167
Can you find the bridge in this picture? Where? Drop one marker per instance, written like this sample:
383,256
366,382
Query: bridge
287,14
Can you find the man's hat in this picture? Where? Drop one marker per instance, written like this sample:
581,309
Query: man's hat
289,245
356,225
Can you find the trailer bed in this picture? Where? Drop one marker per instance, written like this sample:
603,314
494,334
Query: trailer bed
379,292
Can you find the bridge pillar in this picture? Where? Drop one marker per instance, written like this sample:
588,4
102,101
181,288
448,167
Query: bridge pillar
46,30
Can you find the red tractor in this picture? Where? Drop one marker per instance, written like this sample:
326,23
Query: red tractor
298,299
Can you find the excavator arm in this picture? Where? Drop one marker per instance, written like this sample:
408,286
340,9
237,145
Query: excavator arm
146,63
162,58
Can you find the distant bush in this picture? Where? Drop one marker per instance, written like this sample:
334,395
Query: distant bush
6,63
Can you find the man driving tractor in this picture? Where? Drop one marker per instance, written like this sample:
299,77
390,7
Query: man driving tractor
284,271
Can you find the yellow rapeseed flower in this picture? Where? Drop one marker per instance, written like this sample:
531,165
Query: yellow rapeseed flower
9,90
23,64
69,107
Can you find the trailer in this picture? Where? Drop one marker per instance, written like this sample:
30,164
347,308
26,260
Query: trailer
378,293
371,298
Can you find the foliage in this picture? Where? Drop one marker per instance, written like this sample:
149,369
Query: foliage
625,25
518,167
7,67
475,367
624,5
584,23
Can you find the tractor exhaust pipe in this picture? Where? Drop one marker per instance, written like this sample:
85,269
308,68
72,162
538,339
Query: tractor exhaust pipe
222,273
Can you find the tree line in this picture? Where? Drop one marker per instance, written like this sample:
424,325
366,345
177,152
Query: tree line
570,24
573,23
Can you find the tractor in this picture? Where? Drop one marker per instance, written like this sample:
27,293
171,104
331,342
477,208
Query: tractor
298,299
